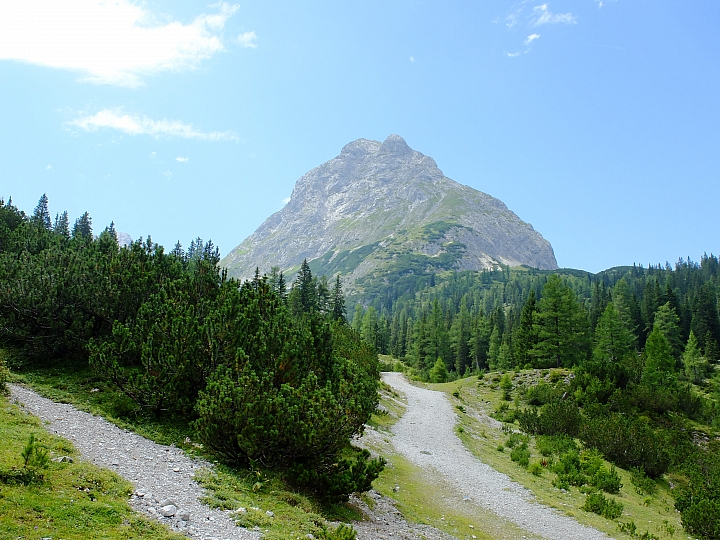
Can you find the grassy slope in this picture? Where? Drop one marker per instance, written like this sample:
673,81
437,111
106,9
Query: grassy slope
73,500
655,514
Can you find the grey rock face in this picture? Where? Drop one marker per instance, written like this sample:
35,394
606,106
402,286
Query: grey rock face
388,200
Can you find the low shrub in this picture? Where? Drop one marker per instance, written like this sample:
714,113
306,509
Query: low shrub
521,455
549,445
602,506
643,484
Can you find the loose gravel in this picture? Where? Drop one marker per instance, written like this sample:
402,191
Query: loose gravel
425,436
162,475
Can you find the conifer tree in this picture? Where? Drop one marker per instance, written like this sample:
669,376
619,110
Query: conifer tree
110,229
307,291
659,361
668,322
41,214
83,227
695,364
525,335
561,327
439,373
612,339
62,225
338,301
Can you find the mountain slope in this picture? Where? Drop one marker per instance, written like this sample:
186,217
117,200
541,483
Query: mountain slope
383,209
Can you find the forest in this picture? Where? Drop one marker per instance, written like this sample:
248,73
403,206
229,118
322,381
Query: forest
269,375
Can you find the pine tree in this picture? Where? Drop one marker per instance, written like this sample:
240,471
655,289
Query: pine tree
494,349
695,364
561,327
41,215
668,322
83,227
62,225
525,335
178,251
306,288
110,229
439,373
338,302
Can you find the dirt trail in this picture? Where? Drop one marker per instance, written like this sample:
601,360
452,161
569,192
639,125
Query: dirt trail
425,436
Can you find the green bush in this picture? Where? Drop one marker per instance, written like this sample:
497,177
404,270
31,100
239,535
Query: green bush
4,373
554,418
643,484
520,455
333,482
295,394
549,445
541,393
626,442
343,532
702,518
599,504
607,480
515,439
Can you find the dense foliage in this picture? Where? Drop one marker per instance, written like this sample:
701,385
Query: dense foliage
641,344
269,375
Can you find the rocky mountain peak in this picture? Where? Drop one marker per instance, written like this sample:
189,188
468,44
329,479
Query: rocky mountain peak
395,145
378,205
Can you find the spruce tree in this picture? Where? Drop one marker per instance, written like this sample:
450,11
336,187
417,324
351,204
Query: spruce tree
668,322
307,291
338,301
525,335
83,227
41,214
561,327
62,225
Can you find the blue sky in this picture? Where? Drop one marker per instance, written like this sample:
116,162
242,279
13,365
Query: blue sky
597,122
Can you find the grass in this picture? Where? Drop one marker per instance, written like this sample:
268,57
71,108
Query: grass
480,398
294,515
65,500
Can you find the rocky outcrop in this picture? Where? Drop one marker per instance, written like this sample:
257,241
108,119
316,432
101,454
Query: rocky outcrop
379,206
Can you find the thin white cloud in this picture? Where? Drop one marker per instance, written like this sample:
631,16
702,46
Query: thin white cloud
142,125
48,167
181,159
107,42
247,40
152,154
286,200
531,38
512,55
167,175
412,59
542,15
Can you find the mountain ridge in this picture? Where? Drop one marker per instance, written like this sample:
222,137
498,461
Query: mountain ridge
392,204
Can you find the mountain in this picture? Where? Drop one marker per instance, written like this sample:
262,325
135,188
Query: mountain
381,211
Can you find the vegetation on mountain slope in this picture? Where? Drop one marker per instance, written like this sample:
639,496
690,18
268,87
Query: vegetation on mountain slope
179,338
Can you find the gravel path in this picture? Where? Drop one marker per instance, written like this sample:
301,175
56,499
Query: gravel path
162,475
425,436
